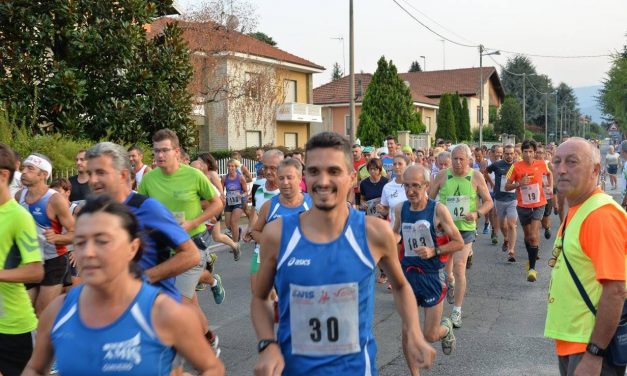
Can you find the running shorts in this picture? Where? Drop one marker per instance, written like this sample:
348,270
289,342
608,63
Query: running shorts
54,271
15,351
429,287
526,215
468,236
505,209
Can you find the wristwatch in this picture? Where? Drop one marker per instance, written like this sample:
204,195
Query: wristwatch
264,343
437,251
595,350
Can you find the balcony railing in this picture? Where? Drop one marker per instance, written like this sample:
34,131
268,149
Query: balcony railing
299,112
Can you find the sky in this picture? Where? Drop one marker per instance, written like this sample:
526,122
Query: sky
543,27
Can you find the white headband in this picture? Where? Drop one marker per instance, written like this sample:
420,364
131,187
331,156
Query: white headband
40,163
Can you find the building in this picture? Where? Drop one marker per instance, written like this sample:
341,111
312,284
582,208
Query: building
246,93
426,89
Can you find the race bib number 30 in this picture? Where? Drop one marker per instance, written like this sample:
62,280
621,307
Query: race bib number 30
458,206
324,319
530,194
416,235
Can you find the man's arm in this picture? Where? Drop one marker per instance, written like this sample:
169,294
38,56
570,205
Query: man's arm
32,272
456,242
396,227
435,187
60,209
248,177
271,360
213,209
260,222
186,256
418,353
482,190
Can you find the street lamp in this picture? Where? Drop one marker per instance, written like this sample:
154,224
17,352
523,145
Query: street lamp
424,63
481,55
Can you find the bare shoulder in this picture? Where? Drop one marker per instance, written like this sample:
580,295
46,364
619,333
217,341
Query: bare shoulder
168,312
378,231
272,231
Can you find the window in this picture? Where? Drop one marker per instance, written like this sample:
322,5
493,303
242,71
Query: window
290,91
290,140
252,85
253,139
428,121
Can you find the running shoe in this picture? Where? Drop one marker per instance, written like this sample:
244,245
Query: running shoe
228,233
201,286
510,257
532,275
486,229
469,261
450,293
218,290
456,319
448,341
212,260
237,252
214,342
495,239
547,233
505,246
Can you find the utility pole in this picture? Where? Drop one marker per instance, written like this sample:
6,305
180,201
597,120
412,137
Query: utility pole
524,104
443,55
546,118
351,63
561,123
481,49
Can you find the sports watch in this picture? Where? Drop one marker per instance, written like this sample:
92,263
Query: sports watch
595,350
264,343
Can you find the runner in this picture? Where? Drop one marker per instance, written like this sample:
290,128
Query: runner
263,190
242,169
541,155
479,164
623,154
358,161
371,188
363,172
505,202
16,183
64,188
21,262
235,190
114,323
388,159
612,162
526,177
459,187
80,186
494,155
427,237
259,164
136,156
322,263
52,214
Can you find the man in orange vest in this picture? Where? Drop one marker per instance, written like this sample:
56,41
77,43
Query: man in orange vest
588,265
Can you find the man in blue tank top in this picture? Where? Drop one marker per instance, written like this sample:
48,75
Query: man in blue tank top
427,236
322,263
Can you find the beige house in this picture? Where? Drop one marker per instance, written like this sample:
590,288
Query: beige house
247,93
426,89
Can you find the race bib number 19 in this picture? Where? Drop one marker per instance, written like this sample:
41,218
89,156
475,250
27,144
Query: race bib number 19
324,319
458,206
530,194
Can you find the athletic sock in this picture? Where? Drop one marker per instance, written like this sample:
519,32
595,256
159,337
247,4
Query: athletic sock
532,251
215,283
457,309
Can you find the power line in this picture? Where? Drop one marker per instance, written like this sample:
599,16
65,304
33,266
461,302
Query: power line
553,56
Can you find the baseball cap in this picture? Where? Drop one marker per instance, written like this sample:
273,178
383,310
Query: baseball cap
368,149
406,149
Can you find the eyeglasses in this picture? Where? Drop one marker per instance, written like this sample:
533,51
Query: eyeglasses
161,151
414,186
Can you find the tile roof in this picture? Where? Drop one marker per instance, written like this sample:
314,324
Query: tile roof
426,87
213,38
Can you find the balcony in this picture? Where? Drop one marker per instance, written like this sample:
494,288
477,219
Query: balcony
299,112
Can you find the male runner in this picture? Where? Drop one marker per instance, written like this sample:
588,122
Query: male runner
388,159
136,156
52,214
548,192
494,155
427,236
259,164
358,161
505,201
80,186
459,187
526,177
263,190
21,261
16,183
322,263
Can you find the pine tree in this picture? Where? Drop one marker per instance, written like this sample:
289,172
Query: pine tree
457,112
510,119
387,106
337,72
446,119
415,67
465,133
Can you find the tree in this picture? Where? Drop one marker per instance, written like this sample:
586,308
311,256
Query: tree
446,119
337,72
510,119
86,69
415,67
613,96
465,133
387,106
263,37
456,104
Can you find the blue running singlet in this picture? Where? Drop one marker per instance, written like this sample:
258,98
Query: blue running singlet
326,301
418,229
128,346
277,210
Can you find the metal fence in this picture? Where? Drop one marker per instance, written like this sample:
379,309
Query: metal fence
249,163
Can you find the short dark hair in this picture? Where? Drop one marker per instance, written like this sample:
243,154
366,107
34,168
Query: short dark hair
106,204
136,148
390,137
376,163
529,144
7,160
166,134
209,160
334,141
62,183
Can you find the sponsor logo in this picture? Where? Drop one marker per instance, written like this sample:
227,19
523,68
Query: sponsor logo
324,297
345,292
300,294
122,355
298,262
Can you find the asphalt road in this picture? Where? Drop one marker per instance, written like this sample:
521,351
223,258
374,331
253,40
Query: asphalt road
503,318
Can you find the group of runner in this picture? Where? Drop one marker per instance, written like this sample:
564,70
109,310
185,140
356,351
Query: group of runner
141,248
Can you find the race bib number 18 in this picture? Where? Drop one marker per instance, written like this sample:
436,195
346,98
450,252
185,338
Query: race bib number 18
324,319
416,235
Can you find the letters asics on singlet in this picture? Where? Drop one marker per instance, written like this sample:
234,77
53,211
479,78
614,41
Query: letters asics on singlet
326,301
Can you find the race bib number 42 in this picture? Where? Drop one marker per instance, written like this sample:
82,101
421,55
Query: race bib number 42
324,319
458,206
416,235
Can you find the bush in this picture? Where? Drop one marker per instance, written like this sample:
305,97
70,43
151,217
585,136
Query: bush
488,134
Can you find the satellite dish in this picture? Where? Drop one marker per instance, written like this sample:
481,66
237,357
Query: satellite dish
232,22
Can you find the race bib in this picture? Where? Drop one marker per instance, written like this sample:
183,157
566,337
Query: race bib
233,198
324,319
179,217
503,182
371,208
416,235
458,206
530,194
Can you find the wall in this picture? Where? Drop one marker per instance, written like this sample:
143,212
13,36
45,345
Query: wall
302,84
302,129
429,112
338,119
